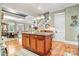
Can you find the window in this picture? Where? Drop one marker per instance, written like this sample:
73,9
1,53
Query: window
11,27
20,27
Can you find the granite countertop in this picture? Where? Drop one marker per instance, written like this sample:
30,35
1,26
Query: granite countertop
39,33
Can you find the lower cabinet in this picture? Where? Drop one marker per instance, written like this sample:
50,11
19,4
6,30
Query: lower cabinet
48,43
40,46
25,41
32,42
37,43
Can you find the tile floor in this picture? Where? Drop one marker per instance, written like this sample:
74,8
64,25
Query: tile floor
25,52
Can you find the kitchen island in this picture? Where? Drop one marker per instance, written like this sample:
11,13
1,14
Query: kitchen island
40,43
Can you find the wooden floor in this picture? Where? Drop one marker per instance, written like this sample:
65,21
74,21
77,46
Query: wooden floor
58,48
13,47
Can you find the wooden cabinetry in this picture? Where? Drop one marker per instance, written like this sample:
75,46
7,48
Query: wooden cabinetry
33,42
40,44
48,44
25,41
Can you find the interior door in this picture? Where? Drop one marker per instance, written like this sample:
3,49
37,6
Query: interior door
59,23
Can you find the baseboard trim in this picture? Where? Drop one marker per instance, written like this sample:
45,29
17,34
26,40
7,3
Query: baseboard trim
68,42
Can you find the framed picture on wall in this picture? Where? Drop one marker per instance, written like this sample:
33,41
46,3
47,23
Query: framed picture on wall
74,20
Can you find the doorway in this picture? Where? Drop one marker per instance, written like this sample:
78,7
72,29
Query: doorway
59,24
20,29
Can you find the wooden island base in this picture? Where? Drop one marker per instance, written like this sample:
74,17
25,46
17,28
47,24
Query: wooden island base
39,44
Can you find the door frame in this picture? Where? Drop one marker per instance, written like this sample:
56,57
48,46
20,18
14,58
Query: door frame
64,27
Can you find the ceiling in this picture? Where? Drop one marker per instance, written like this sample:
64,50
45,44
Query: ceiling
35,9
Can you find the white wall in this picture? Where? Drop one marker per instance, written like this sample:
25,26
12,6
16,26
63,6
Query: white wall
28,19
71,34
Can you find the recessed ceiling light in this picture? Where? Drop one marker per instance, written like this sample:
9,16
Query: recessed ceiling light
39,8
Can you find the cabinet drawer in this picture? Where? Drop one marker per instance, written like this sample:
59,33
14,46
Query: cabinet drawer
25,35
37,36
34,36
41,37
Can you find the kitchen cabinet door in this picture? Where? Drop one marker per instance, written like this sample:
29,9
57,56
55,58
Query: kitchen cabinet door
23,42
27,43
40,46
48,43
33,42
